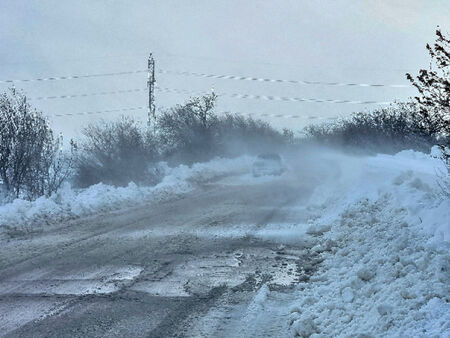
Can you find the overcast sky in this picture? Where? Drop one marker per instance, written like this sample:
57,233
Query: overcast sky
327,41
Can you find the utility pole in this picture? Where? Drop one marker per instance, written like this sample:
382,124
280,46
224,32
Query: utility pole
151,89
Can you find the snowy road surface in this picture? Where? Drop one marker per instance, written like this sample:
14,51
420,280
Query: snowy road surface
338,246
197,266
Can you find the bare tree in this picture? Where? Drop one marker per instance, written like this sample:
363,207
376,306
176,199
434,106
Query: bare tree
52,169
203,107
434,89
27,149
114,153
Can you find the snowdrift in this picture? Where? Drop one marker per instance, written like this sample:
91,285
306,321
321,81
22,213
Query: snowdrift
71,203
386,268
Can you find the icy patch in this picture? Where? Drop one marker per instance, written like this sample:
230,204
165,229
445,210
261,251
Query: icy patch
229,231
286,275
197,275
83,282
264,316
257,304
285,233
169,288
15,313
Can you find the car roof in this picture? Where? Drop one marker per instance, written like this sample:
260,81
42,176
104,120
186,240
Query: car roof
269,156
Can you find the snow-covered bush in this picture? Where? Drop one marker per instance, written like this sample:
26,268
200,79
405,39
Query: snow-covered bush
31,162
115,153
388,129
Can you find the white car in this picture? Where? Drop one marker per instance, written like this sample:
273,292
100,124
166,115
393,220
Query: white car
268,164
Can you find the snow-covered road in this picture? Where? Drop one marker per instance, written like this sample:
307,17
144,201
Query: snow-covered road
180,267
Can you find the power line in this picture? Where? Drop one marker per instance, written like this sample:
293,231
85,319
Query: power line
273,98
300,99
258,115
259,79
88,94
114,92
180,91
73,77
208,76
287,116
231,95
100,111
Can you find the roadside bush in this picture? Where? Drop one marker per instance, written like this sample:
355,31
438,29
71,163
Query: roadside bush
193,132
238,135
115,153
183,137
389,129
32,163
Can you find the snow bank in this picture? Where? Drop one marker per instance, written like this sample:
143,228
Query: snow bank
72,203
386,268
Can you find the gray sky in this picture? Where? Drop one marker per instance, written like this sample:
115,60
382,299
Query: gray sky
329,41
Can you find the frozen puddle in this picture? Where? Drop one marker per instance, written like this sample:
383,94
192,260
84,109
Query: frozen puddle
199,274
195,276
166,288
91,281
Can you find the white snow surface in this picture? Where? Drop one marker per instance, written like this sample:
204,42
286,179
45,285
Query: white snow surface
386,268
73,203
